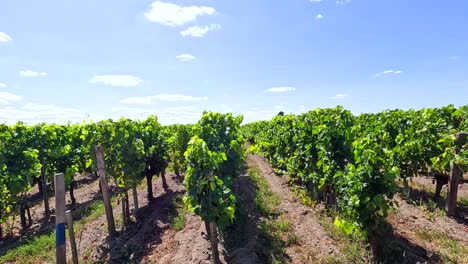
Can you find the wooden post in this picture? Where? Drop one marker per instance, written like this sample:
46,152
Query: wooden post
455,175
149,183
214,242
135,198
60,247
127,206
44,189
101,164
71,235
124,211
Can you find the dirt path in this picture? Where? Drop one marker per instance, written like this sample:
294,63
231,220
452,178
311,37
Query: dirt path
311,233
87,191
410,219
149,239
189,245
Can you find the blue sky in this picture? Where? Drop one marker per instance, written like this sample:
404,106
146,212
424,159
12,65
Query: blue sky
71,60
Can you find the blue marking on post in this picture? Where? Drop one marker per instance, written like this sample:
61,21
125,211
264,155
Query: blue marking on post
60,234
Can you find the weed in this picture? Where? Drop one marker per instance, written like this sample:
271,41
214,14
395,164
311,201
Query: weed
449,249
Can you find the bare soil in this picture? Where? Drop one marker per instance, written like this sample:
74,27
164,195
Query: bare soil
87,191
306,225
150,239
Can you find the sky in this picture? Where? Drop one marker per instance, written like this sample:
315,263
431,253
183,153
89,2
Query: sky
78,60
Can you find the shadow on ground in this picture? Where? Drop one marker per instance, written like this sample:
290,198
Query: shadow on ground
394,248
46,225
245,241
139,238
424,198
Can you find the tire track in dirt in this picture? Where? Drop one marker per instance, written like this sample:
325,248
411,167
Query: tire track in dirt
306,226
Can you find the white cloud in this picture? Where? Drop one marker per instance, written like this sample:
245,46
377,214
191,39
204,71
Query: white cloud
4,37
173,15
2,85
171,115
32,113
197,31
280,89
339,96
315,1
146,100
454,57
343,2
116,80
185,57
131,112
319,16
180,114
387,72
6,98
256,115
30,73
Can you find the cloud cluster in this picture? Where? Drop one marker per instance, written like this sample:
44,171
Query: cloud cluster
170,115
34,113
185,57
146,100
197,31
4,37
173,15
30,73
116,80
343,2
169,14
280,89
387,72
6,98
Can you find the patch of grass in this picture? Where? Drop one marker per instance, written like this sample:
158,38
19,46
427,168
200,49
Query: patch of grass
463,200
274,247
265,200
353,250
432,210
293,239
304,196
96,210
449,249
178,220
271,229
283,225
40,249
275,231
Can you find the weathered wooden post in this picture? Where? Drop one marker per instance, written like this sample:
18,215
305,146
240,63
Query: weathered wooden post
455,175
124,211
101,164
45,197
71,235
60,247
214,242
